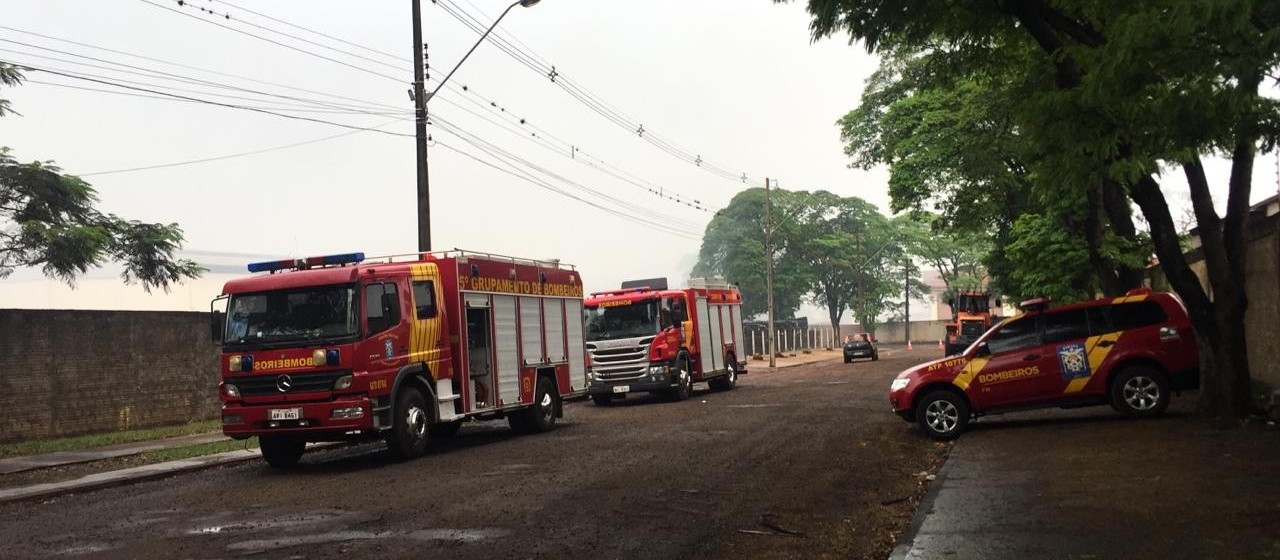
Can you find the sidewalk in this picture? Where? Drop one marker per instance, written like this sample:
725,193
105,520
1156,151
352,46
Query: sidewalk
1089,484
14,465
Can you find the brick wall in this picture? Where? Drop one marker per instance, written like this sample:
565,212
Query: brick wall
68,372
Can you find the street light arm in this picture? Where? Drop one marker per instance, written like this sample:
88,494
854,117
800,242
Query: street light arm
473,47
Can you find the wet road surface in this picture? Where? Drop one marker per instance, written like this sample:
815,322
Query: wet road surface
805,462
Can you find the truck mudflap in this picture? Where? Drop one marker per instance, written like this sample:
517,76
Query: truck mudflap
315,421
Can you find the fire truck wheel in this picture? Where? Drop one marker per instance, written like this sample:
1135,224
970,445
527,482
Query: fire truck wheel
942,415
409,434
685,381
1140,392
541,416
445,429
602,400
281,452
729,380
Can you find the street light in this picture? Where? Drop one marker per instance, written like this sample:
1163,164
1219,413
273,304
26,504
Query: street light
420,100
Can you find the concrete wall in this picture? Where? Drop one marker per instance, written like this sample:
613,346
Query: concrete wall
1262,287
72,372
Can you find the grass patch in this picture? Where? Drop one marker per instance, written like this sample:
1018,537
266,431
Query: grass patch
76,443
177,453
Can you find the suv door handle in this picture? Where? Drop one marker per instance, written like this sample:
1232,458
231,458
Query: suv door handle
1031,357
1107,343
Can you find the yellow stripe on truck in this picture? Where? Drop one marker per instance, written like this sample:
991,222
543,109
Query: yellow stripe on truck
965,377
424,334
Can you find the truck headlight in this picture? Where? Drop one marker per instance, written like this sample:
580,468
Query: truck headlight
231,390
899,384
657,371
343,382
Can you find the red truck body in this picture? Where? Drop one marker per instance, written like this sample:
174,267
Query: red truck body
338,348
648,338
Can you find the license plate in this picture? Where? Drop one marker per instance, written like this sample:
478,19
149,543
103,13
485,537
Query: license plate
286,413
621,388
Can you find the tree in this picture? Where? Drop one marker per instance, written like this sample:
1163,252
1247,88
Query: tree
48,220
949,135
1126,89
733,247
839,235
956,254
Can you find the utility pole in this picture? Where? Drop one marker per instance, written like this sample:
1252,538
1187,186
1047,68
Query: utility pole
420,130
768,263
906,296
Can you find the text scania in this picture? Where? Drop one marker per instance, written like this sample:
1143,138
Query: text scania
285,363
1008,375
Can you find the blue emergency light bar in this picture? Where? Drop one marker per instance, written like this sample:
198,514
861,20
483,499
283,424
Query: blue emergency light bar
289,264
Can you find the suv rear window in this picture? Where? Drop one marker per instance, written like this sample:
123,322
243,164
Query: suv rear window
1136,314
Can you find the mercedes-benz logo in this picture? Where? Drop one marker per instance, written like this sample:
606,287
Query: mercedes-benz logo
284,383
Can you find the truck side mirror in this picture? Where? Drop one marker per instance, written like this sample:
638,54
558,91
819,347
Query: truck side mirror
215,326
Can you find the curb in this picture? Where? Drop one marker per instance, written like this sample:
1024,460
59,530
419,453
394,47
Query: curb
907,541
124,476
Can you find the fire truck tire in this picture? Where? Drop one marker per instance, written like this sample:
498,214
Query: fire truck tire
1140,391
445,429
541,416
409,433
942,414
685,388
281,452
602,400
729,380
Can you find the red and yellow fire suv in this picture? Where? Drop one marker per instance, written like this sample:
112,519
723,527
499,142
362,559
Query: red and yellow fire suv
646,337
1130,352
340,348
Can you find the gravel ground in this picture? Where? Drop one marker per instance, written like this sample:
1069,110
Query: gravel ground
805,462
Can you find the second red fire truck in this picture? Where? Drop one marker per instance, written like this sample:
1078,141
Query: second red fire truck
341,348
648,338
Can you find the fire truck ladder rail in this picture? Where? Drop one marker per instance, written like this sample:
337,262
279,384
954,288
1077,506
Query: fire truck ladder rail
464,253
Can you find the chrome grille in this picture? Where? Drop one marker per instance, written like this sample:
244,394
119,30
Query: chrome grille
620,362
268,384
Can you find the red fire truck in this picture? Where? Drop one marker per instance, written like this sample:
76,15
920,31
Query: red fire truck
402,348
646,337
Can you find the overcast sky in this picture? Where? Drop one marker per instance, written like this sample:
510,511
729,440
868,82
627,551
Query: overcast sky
736,82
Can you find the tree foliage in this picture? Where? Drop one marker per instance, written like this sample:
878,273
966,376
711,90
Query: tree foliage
48,220
1110,95
833,251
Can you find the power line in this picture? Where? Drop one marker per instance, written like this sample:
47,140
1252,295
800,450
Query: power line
204,101
196,68
589,100
305,106
232,156
561,192
513,159
274,42
327,36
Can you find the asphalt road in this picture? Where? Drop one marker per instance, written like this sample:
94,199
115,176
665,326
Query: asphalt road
805,462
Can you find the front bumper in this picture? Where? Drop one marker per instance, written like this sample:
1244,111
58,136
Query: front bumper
859,352
316,421
643,384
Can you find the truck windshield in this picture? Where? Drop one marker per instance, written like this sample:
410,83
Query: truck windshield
298,315
622,321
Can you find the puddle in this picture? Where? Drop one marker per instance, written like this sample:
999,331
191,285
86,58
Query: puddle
451,535
83,549
282,523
